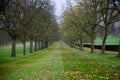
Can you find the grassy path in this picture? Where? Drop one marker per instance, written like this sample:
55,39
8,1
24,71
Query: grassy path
60,62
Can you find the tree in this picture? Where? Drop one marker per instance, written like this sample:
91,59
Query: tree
85,19
116,4
72,24
90,19
16,17
108,16
11,17
33,9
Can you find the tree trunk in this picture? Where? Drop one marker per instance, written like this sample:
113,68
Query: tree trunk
81,43
74,43
92,43
104,43
48,44
119,49
39,45
13,53
35,48
42,45
31,45
24,48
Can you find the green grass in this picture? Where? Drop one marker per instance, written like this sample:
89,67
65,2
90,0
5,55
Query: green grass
59,62
109,41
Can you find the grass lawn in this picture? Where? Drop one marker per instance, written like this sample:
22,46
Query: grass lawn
109,41
59,62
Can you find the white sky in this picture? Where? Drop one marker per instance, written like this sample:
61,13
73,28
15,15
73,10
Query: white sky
59,8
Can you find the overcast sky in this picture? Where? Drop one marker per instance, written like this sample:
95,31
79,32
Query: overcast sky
59,8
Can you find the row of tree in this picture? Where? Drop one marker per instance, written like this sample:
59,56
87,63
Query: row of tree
29,20
88,19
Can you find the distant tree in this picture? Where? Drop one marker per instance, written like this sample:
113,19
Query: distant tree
16,18
4,38
72,26
108,16
90,19
33,9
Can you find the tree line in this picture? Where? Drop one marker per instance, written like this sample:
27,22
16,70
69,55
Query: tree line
89,19
28,20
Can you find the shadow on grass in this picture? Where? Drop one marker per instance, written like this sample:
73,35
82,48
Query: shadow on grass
118,56
94,52
103,53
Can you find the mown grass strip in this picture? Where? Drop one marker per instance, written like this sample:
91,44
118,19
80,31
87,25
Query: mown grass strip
60,62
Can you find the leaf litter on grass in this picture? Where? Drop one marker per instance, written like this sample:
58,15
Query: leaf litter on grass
61,62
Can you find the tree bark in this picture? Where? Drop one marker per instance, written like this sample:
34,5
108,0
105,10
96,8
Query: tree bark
35,48
92,43
103,43
24,48
31,45
48,44
74,43
81,43
39,45
42,45
13,53
119,49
